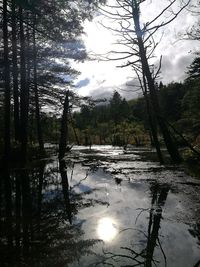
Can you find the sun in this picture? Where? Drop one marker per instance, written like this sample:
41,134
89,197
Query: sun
106,229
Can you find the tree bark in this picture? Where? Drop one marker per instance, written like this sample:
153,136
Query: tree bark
74,129
64,128
23,90
37,105
7,134
152,123
15,73
171,147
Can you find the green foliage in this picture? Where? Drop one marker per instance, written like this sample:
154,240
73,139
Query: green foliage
112,123
120,122
43,37
115,107
191,99
190,117
119,108
171,96
192,160
194,69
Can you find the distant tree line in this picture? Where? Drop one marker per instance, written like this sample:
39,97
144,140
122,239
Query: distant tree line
39,38
120,122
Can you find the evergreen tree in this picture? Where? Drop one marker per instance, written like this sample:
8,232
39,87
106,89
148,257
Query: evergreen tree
194,69
48,31
115,107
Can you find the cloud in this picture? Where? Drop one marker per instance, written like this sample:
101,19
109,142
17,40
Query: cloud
128,90
99,79
174,68
83,83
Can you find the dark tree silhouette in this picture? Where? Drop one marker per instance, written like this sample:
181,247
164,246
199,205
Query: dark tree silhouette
7,111
140,45
36,34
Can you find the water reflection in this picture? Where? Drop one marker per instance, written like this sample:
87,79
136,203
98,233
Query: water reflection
36,205
143,254
48,217
65,188
107,229
159,196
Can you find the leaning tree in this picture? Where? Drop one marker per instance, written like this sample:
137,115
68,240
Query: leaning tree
138,41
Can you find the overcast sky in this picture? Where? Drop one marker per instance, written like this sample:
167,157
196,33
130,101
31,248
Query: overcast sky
99,79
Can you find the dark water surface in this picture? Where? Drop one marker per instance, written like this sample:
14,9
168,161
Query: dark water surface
101,207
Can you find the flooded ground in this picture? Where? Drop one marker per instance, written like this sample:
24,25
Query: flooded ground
101,207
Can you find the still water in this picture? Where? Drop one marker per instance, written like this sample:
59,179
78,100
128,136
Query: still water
99,207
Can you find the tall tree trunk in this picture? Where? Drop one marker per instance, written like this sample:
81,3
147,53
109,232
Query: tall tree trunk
15,73
152,123
28,72
74,129
64,128
37,106
28,63
7,134
171,147
23,92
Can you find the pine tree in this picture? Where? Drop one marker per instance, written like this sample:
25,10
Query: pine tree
194,69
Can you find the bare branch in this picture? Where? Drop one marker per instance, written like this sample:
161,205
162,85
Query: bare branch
160,14
159,68
170,20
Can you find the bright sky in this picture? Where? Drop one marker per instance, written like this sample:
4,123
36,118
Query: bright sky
100,79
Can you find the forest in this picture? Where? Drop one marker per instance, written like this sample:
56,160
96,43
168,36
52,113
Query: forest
97,181
121,122
33,91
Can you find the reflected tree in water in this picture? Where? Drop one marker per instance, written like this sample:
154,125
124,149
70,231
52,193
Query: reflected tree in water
37,208
132,256
65,188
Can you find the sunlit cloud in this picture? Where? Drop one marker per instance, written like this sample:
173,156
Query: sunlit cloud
102,76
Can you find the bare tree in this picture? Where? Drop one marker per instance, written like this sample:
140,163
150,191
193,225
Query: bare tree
138,39
64,127
193,33
7,109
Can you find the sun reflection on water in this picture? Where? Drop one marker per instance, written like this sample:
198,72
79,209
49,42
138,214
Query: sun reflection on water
106,229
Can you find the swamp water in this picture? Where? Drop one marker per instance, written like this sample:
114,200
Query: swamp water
101,207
